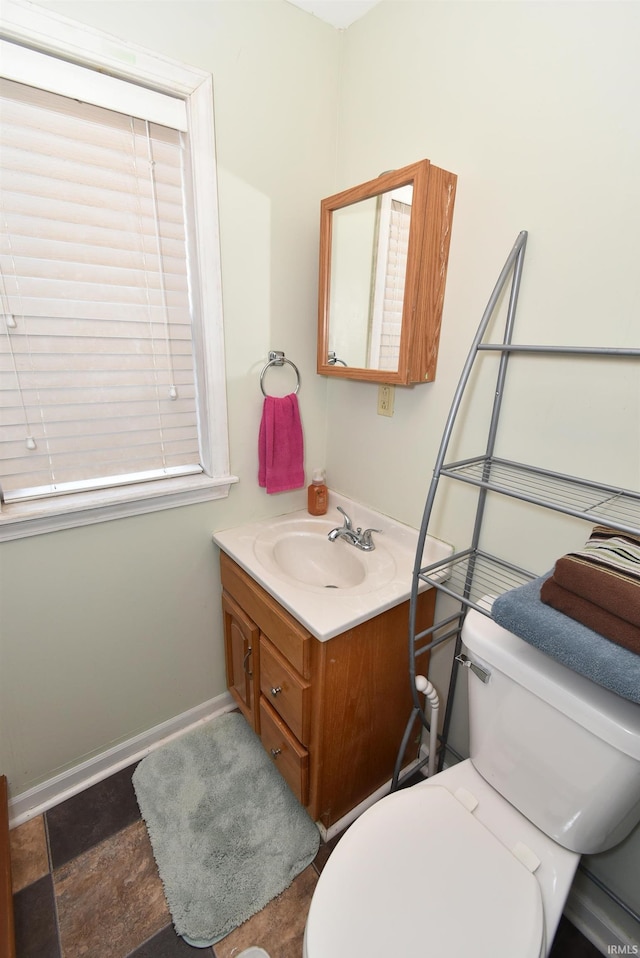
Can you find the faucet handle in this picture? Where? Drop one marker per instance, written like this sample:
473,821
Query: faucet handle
347,520
366,540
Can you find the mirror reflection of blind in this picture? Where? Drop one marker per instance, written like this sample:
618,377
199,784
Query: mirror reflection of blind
391,268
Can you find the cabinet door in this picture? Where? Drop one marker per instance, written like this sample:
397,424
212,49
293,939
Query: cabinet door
242,656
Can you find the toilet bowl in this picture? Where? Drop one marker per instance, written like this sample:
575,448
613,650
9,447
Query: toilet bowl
478,860
442,868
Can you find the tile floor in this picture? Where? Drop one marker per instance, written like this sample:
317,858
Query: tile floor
86,884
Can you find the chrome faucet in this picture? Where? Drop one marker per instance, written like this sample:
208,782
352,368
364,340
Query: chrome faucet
358,538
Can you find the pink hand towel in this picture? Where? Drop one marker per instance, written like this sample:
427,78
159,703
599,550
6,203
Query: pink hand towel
280,445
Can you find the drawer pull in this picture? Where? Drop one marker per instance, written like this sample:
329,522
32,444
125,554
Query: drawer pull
276,690
276,751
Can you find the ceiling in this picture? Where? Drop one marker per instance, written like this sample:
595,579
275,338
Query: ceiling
339,13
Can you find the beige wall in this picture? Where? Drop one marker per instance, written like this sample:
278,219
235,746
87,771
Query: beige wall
109,630
534,106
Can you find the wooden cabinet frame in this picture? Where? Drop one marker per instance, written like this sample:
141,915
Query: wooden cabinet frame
434,191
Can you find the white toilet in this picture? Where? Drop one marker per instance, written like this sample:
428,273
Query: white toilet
478,860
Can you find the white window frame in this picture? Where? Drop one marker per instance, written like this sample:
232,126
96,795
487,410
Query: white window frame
52,34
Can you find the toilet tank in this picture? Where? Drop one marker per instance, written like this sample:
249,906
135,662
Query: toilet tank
563,750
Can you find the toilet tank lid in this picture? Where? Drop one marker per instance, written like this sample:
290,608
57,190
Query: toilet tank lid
613,719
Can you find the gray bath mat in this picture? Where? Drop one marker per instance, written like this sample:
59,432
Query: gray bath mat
227,833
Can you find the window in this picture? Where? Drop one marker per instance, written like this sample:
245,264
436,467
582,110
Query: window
112,388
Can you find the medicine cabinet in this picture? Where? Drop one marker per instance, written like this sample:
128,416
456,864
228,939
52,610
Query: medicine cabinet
384,249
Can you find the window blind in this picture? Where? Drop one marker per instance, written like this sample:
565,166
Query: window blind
97,374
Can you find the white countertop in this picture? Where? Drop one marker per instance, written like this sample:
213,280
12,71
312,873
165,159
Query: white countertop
324,611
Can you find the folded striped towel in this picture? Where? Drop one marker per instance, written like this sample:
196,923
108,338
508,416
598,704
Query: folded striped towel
606,572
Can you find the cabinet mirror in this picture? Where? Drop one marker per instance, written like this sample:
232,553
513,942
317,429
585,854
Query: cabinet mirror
384,248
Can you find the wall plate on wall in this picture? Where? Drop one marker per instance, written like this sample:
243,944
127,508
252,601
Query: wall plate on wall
386,395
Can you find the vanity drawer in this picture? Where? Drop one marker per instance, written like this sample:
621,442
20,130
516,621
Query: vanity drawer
285,690
291,759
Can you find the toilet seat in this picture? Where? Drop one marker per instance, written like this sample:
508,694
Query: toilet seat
417,875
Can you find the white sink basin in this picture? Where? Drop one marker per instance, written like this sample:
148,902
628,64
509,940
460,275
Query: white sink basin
314,560
329,586
299,550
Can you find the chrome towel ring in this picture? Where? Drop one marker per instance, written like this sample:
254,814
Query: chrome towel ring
332,359
277,358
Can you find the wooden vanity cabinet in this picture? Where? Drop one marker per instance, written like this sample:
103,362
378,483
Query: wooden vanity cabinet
331,714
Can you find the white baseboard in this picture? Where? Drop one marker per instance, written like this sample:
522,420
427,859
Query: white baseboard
350,817
328,833
55,790
600,920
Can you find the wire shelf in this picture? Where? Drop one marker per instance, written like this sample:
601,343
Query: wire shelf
615,507
474,578
473,575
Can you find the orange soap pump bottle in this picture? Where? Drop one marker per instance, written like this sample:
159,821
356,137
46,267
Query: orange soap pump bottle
317,494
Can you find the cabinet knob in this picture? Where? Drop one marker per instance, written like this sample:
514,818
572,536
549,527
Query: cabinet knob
276,691
276,751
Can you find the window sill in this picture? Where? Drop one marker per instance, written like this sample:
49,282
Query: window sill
36,517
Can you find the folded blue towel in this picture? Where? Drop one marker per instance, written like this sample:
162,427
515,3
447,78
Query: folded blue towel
522,612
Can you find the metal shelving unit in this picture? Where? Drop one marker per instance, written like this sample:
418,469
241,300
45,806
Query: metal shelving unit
472,574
